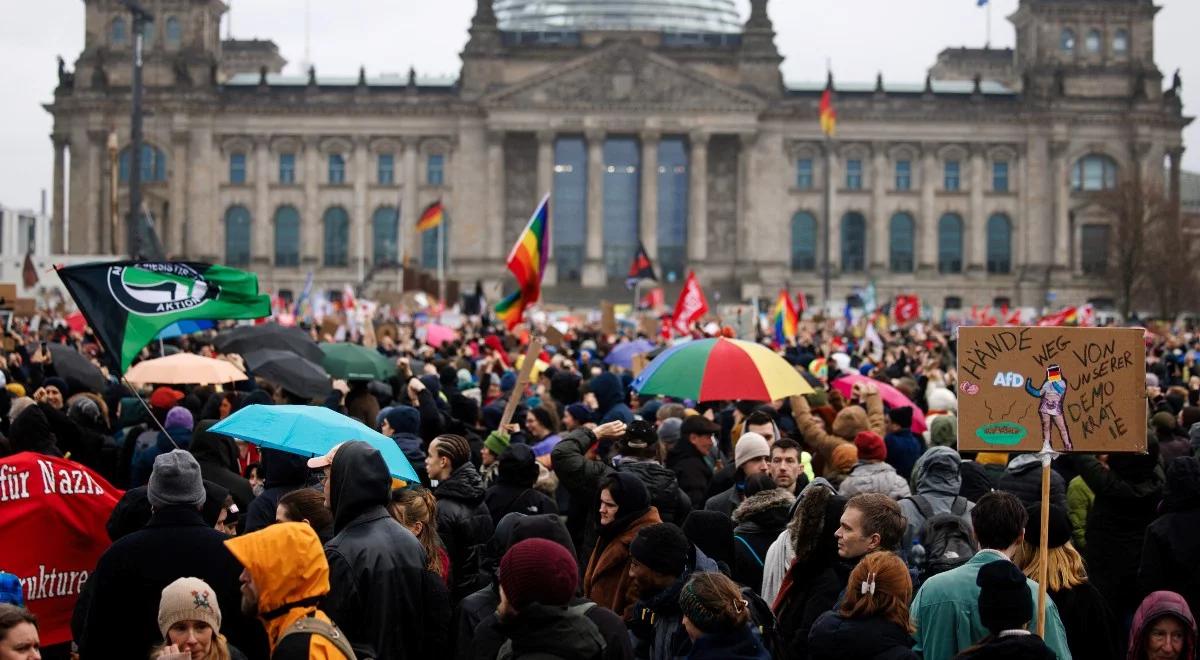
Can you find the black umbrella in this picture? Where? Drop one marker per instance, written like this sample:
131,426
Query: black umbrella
79,372
249,338
290,371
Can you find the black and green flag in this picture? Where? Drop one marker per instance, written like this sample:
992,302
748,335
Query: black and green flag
127,303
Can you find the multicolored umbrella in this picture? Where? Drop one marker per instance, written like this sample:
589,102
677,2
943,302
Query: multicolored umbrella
719,370
893,397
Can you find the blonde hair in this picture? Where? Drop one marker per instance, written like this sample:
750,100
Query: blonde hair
417,505
217,650
1065,567
888,588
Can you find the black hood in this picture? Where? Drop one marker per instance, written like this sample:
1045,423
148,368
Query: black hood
214,501
358,480
564,387
1182,490
279,468
215,448
30,431
607,388
542,526
518,467
464,485
131,513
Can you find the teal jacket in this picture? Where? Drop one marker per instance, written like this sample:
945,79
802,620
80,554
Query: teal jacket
945,612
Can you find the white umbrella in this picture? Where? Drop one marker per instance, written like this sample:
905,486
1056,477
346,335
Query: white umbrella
184,369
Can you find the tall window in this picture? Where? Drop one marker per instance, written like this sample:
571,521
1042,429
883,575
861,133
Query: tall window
1094,249
569,207
337,168
804,242
117,34
385,169
237,167
237,236
854,242
174,32
1000,176
429,244
154,165
622,201
854,174
1094,172
147,35
901,234
385,234
287,168
434,170
1092,42
1121,42
904,175
1066,40
804,174
999,244
287,236
337,236
950,244
672,208
953,179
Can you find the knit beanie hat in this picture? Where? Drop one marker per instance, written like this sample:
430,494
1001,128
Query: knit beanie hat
1060,526
497,442
668,431
870,446
902,417
943,431
749,447
188,599
538,571
59,384
843,457
663,548
10,590
1004,597
175,480
178,418
580,412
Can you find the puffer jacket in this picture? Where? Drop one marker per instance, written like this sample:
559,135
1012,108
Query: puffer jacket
1172,541
758,519
937,479
1079,504
1023,478
464,524
834,637
672,503
377,590
291,573
875,477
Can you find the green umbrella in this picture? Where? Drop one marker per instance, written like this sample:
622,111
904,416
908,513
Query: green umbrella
354,362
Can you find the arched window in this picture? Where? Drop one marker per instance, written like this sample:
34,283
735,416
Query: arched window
1066,40
854,242
337,236
385,234
174,32
1094,172
117,36
429,244
1121,42
900,234
999,244
950,244
1092,42
237,236
154,165
287,236
804,241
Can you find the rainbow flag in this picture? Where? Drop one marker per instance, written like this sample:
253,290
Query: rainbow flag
784,319
527,262
432,216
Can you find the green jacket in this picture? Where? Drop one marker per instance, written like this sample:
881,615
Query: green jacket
1079,503
945,612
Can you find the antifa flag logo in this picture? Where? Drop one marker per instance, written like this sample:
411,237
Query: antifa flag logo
151,289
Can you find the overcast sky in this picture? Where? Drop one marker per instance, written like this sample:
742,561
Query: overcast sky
860,37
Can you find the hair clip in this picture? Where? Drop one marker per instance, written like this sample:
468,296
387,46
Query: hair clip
868,585
739,605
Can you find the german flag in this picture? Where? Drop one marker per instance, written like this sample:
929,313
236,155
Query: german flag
431,217
828,114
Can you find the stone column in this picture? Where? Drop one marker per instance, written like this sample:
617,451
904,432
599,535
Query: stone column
409,202
975,258
496,196
698,199
58,224
594,274
746,220
927,223
312,238
545,178
1174,182
877,222
1061,178
175,234
833,223
97,194
260,224
649,193
358,219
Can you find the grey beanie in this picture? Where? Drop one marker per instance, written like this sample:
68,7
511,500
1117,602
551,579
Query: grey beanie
668,431
175,481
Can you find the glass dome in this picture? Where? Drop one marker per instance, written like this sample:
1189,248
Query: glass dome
654,15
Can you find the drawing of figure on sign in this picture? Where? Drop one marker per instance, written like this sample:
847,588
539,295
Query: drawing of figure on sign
1051,393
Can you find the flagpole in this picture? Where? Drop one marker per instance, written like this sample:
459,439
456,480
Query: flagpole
441,266
988,42
828,203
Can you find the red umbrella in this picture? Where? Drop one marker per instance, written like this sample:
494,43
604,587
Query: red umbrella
893,397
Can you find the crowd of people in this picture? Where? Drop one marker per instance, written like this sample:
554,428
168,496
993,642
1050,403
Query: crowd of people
600,524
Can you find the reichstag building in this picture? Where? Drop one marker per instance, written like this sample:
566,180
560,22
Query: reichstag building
661,121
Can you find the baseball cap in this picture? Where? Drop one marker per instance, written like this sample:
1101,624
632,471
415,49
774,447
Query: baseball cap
321,462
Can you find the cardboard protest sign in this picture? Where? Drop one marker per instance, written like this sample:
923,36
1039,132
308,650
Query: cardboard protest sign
608,318
1079,389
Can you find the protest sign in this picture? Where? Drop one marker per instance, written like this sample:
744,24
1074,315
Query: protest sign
608,318
52,519
1078,389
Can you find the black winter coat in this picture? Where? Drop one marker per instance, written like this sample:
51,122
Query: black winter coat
1023,478
282,473
513,491
218,459
464,524
1021,647
1090,625
487,638
979,480
760,519
693,471
834,637
378,590
542,632
814,591
1173,540
127,585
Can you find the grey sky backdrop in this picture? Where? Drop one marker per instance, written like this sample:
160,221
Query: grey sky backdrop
860,37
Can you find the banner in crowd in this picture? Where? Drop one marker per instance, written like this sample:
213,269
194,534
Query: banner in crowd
1076,389
53,514
691,306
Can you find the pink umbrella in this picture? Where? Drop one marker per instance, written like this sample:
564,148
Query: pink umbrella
893,397
436,335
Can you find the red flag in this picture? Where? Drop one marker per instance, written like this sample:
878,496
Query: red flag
58,510
653,299
906,309
691,305
28,272
76,322
801,303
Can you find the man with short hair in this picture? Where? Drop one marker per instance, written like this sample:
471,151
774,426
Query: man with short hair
750,458
660,563
762,423
688,459
871,521
946,609
786,467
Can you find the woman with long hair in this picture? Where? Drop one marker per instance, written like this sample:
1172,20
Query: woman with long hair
189,618
416,509
542,425
717,619
873,619
306,505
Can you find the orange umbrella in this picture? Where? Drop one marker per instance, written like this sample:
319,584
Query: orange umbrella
184,369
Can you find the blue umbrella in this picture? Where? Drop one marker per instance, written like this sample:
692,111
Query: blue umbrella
622,354
310,431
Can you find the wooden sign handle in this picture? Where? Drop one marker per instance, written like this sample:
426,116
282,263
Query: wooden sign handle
535,349
1043,545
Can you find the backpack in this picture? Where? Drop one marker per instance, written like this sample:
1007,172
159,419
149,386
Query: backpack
763,620
311,624
946,537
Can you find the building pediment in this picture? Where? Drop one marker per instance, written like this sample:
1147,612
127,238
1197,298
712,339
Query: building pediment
623,76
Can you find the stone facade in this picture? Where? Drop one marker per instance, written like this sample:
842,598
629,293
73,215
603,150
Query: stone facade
1078,99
